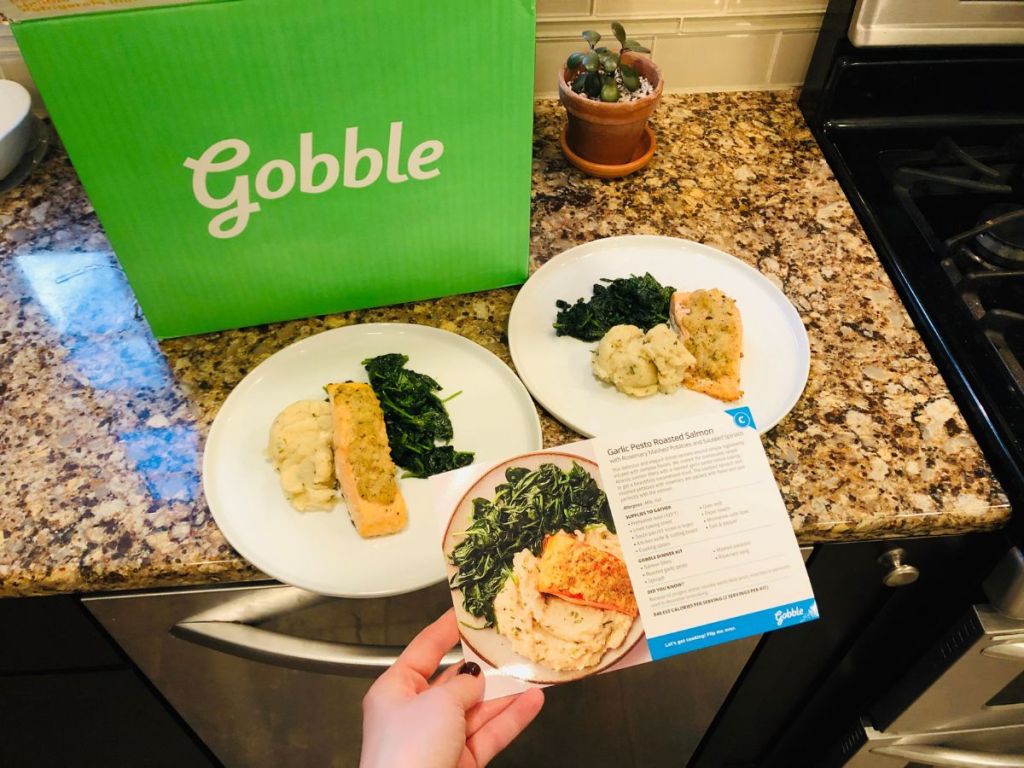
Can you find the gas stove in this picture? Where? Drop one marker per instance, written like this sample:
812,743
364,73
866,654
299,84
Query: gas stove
968,205
928,144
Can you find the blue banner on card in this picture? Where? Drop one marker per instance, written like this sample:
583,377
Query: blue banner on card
718,632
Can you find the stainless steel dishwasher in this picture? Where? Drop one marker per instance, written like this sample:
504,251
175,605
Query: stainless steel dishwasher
270,675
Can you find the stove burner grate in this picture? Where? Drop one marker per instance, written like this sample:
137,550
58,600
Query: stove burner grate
1001,234
984,260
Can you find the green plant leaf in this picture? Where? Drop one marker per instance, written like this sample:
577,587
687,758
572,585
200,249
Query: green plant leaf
590,61
591,37
630,78
609,90
620,33
577,84
609,61
575,60
592,84
633,45
601,49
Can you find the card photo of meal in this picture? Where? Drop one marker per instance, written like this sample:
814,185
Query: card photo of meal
619,550
537,575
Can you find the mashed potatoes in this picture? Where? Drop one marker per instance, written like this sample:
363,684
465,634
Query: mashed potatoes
300,449
641,364
556,633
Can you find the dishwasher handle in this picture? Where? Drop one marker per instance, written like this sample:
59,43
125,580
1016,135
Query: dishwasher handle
232,627
940,757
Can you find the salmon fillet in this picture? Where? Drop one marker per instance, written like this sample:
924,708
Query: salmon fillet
709,324
580,573
362,460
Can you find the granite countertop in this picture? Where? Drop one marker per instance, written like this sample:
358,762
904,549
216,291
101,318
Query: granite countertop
102,427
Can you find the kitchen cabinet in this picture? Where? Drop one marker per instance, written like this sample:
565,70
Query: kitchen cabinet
69,696
92,718
52,634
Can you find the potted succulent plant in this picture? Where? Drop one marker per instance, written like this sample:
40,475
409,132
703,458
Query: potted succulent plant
608,97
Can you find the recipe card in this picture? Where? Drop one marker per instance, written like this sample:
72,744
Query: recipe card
618,550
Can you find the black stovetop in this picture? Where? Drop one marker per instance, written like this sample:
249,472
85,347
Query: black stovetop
967,203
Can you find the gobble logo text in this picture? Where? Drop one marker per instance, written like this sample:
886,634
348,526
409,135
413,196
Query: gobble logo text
316,173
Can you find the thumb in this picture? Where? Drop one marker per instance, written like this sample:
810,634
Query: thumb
465,689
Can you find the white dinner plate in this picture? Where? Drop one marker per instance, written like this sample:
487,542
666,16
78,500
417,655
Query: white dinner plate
556,369
321,551
491,647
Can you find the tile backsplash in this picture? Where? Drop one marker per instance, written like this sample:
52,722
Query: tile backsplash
700,45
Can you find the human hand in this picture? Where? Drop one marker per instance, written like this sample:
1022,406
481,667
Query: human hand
409,722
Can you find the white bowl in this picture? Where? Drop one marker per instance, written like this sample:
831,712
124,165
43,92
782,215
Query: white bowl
15,124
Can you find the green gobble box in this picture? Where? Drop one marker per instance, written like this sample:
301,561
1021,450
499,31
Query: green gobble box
260,160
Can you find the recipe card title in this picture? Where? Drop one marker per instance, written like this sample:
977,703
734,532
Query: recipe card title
317,173
656,441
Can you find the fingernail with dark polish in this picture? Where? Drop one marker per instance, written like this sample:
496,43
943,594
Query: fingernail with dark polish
470,668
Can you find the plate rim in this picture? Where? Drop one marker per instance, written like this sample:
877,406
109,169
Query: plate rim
215,435
561,259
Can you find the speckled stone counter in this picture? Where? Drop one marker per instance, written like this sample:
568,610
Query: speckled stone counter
102,427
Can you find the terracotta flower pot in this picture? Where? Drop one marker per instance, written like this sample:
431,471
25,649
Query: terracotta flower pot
608,133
